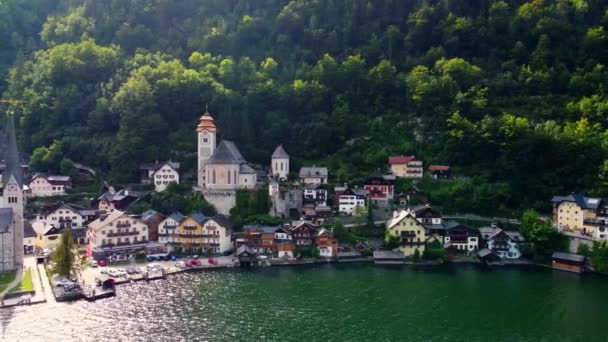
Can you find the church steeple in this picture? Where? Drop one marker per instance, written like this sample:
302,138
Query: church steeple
13,165
206,131
206,122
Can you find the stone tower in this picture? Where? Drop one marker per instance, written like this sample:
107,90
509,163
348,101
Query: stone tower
206,131
279,163
11,205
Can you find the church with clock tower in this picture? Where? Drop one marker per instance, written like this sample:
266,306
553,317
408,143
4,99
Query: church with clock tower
221,168
11,206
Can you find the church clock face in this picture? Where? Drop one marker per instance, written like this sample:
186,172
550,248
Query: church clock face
205,132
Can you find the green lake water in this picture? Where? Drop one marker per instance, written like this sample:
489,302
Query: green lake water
333,303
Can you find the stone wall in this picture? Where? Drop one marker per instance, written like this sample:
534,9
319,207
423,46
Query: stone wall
222,200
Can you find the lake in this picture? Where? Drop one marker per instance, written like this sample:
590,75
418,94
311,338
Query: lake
357,302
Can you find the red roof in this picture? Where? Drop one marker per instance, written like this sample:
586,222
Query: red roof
400,159
439,168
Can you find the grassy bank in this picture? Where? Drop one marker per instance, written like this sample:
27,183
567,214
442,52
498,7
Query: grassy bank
26,283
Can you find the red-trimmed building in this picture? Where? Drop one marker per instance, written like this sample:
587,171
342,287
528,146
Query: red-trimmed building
304,235
381,190
406,166
440,171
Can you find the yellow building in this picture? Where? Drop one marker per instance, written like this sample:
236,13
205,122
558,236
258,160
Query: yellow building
47,236
580,214
410,233
190,232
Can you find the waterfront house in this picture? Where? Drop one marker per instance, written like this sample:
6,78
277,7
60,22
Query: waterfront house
304,235
43,185
160,174
440,171
505,244
326,244
216,234
314,175
117,232
350,199
380,189
190,231
577,214
246,256
568,262
405,166
410,233
152,218
168,232
458,236
283,240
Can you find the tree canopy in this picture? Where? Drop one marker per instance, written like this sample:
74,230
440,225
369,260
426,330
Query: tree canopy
512,93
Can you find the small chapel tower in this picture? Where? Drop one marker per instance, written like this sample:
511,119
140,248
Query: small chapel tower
279,163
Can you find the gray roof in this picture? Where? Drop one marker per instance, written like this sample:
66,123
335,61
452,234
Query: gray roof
388,255
279,152
265,229
178,217
6,218
484,252
515,236
223,221
199,217
80,232
243,249
226,153
158,164
568,256
311,172
28,231
146,215
13,167
582,201
246,169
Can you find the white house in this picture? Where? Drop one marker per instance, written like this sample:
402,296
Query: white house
505,244
282,238
217,233
279,163
350,199
66,215
168,230
314,175
117,229
313,193
43,185
161,174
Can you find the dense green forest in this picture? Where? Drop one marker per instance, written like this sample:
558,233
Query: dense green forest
510,93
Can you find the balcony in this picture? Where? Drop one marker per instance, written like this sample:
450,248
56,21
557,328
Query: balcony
190,227
110,245
190,236
169,226
123,225
595,222
124,233
213,244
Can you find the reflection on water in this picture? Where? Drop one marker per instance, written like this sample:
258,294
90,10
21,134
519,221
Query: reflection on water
328,303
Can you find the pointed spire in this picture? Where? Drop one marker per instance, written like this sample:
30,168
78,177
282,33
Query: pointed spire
206,122
13,165
279,152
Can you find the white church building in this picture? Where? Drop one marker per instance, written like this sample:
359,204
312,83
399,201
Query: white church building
11,207
221,169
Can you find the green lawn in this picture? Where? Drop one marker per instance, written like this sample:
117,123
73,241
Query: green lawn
26,283
7,279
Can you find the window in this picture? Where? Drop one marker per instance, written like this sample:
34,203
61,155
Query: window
205,140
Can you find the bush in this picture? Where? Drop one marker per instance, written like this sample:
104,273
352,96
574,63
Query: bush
416,255
140,256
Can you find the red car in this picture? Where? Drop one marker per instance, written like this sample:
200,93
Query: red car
212,262
193,262
102,263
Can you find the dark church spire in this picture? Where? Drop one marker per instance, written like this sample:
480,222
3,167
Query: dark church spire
13,165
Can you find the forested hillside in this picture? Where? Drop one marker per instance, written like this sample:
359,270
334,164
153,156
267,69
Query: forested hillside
510,93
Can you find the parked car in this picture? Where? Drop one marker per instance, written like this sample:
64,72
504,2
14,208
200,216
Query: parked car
64,283
94,263
151,258
103,263
180,264
212,262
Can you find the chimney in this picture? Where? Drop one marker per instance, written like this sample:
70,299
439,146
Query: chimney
395,214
